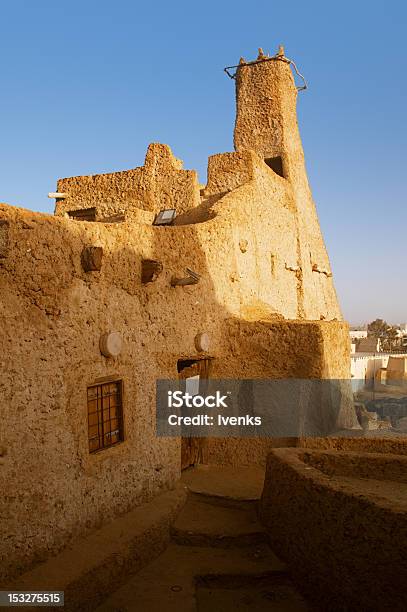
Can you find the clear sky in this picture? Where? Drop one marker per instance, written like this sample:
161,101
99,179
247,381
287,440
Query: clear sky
86,85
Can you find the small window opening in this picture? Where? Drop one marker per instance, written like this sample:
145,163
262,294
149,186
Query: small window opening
165,217
182,364
105,415
150,270
84,214
276,164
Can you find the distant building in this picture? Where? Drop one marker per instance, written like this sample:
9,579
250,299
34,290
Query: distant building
394,375
365,367
369,344
357,333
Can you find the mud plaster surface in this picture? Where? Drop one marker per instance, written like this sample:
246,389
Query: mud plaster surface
265,297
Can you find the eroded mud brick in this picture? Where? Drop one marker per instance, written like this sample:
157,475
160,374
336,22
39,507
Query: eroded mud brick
91,258
4,238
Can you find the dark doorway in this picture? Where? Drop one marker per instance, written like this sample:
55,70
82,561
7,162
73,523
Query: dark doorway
193,373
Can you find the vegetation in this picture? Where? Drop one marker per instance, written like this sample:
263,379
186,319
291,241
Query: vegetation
388,334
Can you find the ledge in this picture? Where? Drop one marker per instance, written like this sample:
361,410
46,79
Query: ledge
99,563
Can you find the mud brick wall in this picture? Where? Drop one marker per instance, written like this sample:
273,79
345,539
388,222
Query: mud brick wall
346,548
265,297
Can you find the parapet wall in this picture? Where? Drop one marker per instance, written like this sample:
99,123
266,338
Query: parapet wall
228,171
343,539
161,183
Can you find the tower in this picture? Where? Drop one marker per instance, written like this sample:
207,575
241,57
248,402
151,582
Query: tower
266,122
266,117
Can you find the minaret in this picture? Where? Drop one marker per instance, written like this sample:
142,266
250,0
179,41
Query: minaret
266,122
266,117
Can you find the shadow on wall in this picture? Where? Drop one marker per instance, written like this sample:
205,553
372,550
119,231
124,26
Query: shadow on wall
338,518
52,316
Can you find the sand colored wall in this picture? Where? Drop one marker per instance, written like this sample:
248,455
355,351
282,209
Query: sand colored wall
286,349
264,263
396,372
160,183
286,220
265,297
392,446
344,544
266,122
52,316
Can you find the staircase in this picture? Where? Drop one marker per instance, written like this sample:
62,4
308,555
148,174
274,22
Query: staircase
218,560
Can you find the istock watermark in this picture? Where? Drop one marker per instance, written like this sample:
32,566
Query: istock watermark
178,399
254,408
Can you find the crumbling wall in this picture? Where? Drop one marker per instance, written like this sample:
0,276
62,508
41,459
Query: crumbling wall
53,314
161,183
253,238
227,171
344,542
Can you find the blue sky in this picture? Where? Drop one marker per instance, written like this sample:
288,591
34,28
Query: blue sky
87,85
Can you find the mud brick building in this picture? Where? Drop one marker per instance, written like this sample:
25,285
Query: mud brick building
96,305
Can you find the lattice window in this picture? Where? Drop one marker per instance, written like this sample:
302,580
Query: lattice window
105,415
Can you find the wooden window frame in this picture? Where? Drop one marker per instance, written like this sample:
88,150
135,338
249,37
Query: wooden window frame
105,432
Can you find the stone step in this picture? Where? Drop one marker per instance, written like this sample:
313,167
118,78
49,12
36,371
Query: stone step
170,582
99,563
203,524
225,502
260,593
225,485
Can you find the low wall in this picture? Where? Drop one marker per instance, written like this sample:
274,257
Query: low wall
117,550
364,367
160,183
344,544
392,446
316,350
241,452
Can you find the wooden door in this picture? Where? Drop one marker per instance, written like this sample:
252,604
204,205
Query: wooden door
192,449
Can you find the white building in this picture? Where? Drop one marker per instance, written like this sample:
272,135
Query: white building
363,368
357,333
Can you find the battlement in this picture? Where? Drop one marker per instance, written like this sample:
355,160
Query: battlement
266,124
160,184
